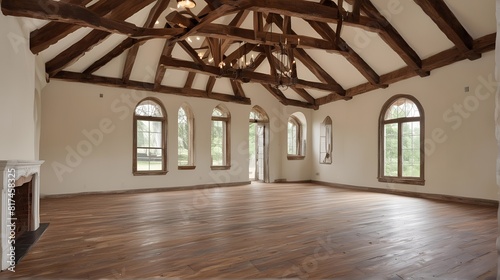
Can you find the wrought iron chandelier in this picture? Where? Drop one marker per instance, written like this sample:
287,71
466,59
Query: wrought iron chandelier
286,70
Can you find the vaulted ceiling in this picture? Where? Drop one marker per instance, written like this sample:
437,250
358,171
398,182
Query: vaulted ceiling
339,49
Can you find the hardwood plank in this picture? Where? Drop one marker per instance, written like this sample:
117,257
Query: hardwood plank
300,230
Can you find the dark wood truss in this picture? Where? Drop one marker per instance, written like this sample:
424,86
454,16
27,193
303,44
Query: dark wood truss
108,17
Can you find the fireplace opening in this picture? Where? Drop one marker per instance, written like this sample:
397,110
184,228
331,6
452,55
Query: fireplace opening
23,207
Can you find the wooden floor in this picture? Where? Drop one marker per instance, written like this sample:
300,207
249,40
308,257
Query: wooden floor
261,231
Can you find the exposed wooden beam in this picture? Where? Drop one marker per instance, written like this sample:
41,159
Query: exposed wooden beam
318,71
52,32
265,38
123,46
154,14
137,85
210,85
237,88
215,49
301,9
168,47
304,94
215,14
356,9
241,51
285,101
243,74
270,57
310,63
325,31
77,50
331,98
258,24
177,19
444,58
74,14
444,18
190,80
190,51
392,38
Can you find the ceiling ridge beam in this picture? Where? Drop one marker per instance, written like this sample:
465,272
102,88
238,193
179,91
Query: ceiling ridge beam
144,86
448,23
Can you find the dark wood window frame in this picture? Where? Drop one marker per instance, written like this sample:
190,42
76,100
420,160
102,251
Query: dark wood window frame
164,139
382,122
227,139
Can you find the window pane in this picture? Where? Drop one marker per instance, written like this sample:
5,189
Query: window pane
325,147
149,159
391,150
292,138
142,125
155,140
218,143
411,149
142,139
183,138
148,108
149,134
155,126
402,108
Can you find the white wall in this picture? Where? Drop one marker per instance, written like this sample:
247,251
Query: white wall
17,92
459,131
75,162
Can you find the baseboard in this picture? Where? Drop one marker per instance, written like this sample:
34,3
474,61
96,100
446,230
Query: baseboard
279,181
150,190
442,197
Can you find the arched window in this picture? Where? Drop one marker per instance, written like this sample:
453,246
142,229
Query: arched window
258,145
326,139
220,138
296,136
294,132
401,141
150,123
185,136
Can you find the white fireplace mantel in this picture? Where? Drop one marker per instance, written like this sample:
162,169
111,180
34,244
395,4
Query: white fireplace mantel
21,170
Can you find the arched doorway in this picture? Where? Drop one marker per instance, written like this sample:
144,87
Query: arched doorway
258,145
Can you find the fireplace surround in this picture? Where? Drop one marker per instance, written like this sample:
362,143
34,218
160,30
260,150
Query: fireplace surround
24,177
